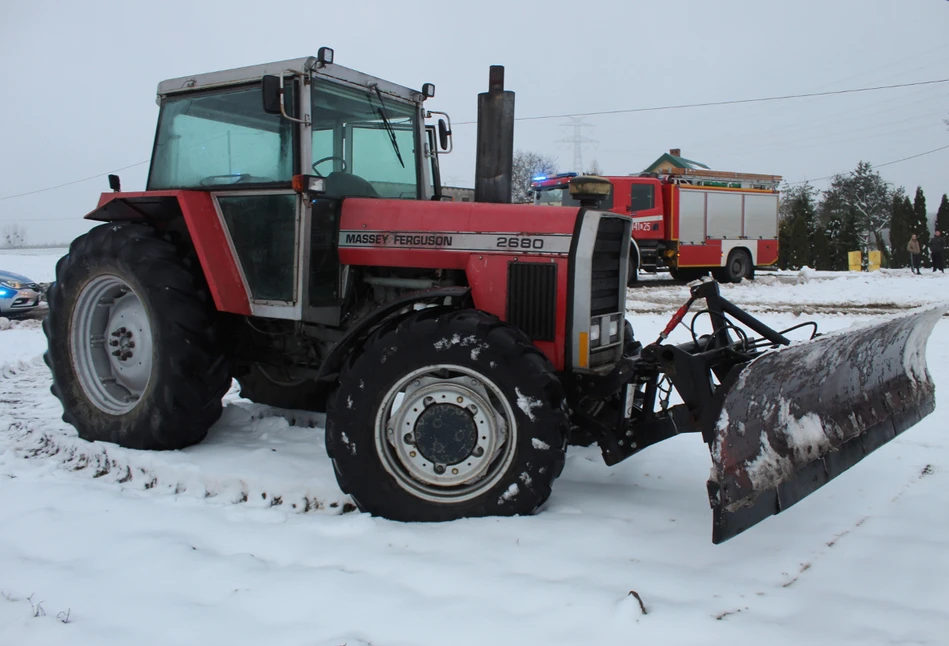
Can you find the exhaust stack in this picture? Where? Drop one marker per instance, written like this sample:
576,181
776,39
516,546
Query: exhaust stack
494,166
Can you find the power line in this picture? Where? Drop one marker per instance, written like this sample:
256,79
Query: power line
814,142
683,106
78,181
828,120
889,163
818,179
707,104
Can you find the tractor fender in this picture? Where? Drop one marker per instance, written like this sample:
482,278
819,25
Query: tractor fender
450,297
202,226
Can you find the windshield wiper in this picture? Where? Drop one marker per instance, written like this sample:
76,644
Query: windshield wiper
385,121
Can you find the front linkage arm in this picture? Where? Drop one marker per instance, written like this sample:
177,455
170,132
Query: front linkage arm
620,408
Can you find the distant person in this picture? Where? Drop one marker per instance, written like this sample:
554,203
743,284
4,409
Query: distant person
914,253
937,245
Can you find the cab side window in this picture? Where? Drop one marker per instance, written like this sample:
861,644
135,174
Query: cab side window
642,197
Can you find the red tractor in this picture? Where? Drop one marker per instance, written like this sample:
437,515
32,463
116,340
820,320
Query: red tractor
292,237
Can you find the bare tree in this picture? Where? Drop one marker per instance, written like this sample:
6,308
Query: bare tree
595,168
528,165
13,236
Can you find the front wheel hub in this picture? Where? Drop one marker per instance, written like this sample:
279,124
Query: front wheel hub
445,433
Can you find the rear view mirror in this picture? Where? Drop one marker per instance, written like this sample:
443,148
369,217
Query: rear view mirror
443,134
271,94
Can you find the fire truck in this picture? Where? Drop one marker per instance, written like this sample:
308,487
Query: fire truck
689,220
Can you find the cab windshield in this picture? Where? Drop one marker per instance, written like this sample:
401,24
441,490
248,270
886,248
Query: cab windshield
221,138
551,197
562,197
364,142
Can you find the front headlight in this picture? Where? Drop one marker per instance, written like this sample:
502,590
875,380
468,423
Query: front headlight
595,333
12,284
604,330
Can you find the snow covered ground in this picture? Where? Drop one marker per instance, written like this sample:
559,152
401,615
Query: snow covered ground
35,264
246,539
808,291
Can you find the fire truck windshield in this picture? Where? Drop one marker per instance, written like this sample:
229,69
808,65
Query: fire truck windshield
561,197
551,197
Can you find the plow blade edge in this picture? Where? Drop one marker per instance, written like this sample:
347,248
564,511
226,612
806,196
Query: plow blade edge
793,419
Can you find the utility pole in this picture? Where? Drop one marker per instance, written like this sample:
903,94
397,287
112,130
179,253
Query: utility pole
578,140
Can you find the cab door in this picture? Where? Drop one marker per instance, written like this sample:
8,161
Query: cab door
645,207
221,141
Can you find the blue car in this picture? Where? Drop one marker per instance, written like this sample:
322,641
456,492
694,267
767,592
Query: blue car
18,294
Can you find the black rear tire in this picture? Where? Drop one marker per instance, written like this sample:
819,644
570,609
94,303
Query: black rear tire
261,387
737,267
186,371
519,382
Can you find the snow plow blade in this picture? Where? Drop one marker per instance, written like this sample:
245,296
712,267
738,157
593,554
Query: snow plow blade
793,419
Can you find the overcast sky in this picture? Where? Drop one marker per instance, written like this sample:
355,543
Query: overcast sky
80,81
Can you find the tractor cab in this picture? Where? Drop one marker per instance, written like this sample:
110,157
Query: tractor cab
259,126
275,147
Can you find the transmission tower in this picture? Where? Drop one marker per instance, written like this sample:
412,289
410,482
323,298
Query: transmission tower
578,140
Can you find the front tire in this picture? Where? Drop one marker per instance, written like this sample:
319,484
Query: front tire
446,415
132,347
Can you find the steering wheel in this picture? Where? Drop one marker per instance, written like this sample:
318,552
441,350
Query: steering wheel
326,159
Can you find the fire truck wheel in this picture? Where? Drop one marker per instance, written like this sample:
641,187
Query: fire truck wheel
737,267
444,415
132,345
633,275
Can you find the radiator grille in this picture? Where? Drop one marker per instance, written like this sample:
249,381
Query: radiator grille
532,298
605,295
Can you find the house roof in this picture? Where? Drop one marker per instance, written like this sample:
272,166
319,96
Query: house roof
678,162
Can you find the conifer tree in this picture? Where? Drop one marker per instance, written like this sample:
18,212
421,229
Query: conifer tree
842,238
799,251
921,224
942,215
868,198
900,223
799,212
821,250
832,232
784,243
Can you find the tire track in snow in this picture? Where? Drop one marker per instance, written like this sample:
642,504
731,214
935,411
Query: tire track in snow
807,565
253,455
